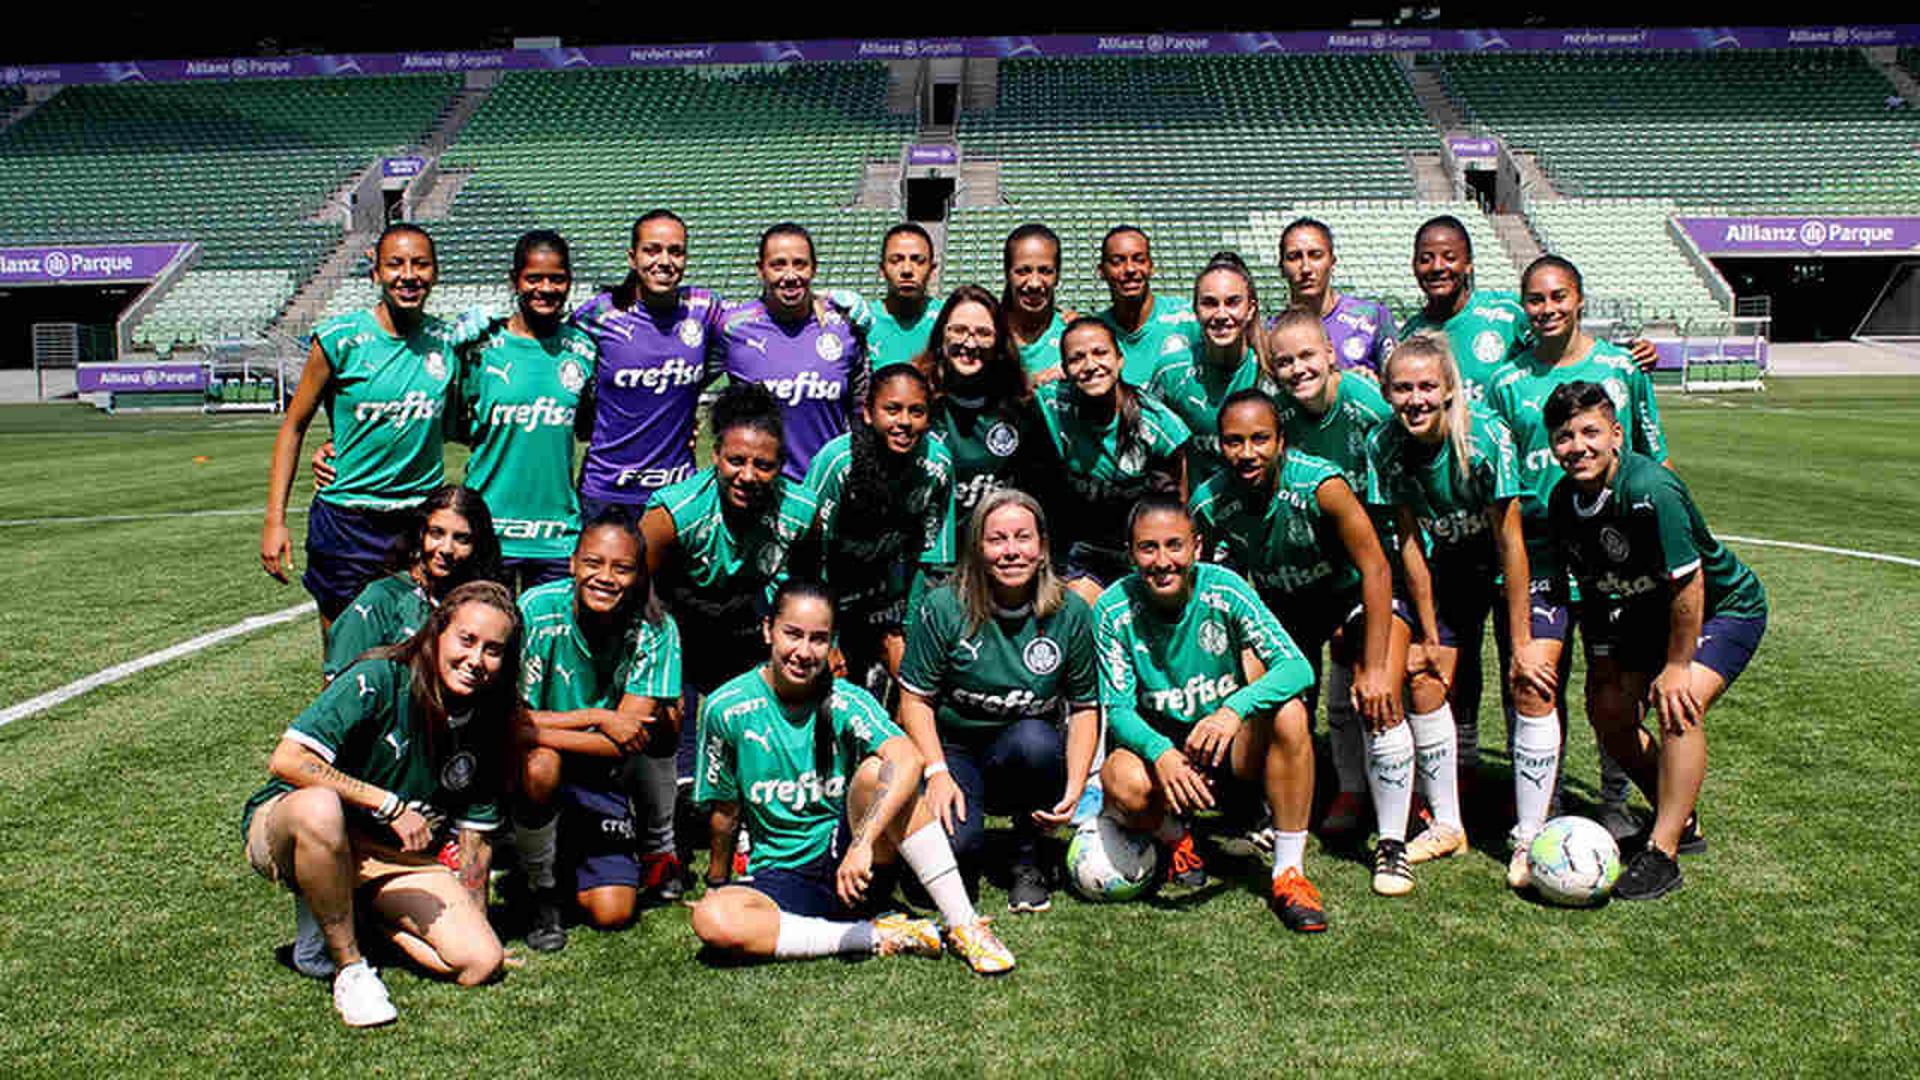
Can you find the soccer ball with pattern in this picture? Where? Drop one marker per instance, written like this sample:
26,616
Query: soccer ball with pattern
1574,862
1107,861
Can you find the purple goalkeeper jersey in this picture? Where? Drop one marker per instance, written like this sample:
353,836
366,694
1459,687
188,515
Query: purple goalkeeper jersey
1361,332
646,389
816,369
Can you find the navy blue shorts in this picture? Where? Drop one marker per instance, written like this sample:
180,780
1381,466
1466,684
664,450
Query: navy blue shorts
597,830
592,509
524,574
1314,623
1725,647
1549,618
1102,566
347,548
809,889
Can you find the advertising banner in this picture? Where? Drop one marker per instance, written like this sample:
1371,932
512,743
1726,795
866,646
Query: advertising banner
1812,234
80,264
138,378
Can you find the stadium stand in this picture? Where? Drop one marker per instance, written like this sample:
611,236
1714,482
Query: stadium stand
239,167
1748,130
1634,270
730,149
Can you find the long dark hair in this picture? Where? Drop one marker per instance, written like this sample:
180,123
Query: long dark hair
1126,397
870,485
822,690
420,654
1005,378
410,547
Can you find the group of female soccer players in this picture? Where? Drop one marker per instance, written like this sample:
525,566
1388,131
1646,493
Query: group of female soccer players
952,558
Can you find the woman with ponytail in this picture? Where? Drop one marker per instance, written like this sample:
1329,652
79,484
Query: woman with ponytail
829,788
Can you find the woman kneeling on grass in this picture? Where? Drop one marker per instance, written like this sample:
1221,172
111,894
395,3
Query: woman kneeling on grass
830,789
391,767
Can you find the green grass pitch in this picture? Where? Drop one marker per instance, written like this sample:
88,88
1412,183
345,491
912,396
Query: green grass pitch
133,938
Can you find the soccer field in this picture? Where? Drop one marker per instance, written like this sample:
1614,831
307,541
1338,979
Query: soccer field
134,939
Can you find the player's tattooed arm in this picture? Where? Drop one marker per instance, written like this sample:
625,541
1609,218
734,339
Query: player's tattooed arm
300,766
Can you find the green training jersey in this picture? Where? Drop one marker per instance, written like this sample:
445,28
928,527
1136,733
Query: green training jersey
1043,353
386,612
992,448
1194,389
892,340
519,396
758,751
871,553
563,670
365,724
1169,329
1280,540
1450,504
1010,667
730,562
1486,335
1102,480
386,404
1627,546
1522,393
1340,434
1161,676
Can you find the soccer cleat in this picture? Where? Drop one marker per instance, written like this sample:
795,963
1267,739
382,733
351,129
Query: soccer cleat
1620,822
1297,902
361,998
1390,874
1520,867
310,955
1343,814
895,934
982,951
662,879
549,930
1438,842
1028,892
1652,874
1185,868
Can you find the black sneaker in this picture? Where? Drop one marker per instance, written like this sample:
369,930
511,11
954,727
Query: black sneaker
1692,841
1028,892
549,930
1651,875
1620,822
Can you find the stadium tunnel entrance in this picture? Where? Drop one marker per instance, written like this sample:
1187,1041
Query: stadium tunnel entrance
1814,298
93,307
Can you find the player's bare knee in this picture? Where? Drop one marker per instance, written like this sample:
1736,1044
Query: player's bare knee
719,924
315,817
1291,728
540,774
482,961
609,911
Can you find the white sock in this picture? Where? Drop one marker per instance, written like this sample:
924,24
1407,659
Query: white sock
1171,829
1536,760
1435,746
1390,779
931,857
1345,735
537,845
654,801
1289,850
803,936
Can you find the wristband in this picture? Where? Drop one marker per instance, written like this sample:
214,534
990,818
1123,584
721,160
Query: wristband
390,808
933,770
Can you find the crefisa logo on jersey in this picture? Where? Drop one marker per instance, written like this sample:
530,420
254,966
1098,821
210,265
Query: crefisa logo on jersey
1614,543
1213,638
828,347
1042,656
1002,439
436,365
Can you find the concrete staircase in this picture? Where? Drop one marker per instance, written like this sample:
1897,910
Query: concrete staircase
297,318
1533,177
879,186
1431,181
1888,64
979,183
1516,239
1430,90
903,87
438,199
458,110
26,108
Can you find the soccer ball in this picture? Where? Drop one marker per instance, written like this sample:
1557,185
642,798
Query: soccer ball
1574,862
1107,861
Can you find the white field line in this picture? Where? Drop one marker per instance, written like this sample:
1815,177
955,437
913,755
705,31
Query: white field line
153,659
100,519
1851,553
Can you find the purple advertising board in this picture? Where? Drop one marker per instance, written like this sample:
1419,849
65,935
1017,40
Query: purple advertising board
1811,234
933,154
402,166
69,264
1674,353
763,52
139,378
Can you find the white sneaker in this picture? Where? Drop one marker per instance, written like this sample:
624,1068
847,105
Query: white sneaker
310,955
361,997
